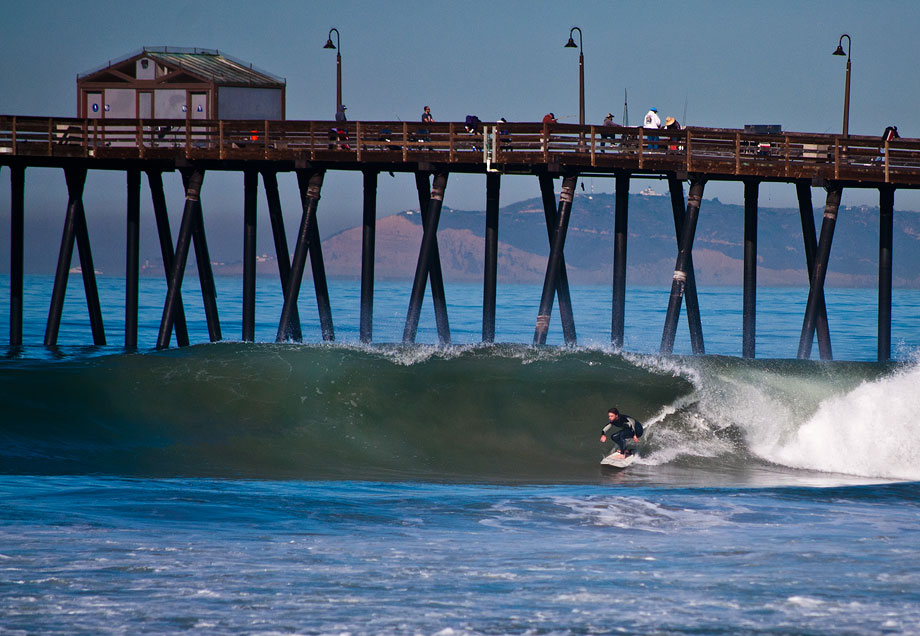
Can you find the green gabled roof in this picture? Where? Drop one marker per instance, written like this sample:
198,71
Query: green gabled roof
206,64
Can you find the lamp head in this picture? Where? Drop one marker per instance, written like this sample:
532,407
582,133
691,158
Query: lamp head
840,50
570,44
329,44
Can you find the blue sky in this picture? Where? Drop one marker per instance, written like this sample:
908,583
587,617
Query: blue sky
724,64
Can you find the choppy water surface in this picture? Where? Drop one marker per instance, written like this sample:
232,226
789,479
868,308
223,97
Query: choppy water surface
102,555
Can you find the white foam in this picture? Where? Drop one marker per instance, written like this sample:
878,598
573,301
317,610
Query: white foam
870,431
828,422
631,513
805,601
582,597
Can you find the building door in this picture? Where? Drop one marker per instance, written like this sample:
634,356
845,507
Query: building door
199,106
145,105
94,105
199,110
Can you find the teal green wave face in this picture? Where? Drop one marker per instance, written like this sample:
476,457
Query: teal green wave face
315,412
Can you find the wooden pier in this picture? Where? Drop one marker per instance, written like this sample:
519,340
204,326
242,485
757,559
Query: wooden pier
432,151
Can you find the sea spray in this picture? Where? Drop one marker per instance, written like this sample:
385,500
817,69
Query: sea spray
855,419
872,431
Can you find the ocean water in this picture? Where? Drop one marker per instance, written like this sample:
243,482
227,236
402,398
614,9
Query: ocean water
337,488
852,316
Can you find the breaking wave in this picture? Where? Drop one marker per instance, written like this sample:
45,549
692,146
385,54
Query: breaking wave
474,413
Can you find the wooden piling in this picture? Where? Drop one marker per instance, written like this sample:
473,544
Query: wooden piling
250,212
551,214
190,216
88,272
819,273
679,281
620,234
490,259
885,243
205,272
17,251
435,275
282,256
318,267
310,184
749,301
694,321
75,231
368,249
555,262
65,255
807,215
155,182
427,254
132,257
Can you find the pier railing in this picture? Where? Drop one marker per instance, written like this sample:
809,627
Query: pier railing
501,146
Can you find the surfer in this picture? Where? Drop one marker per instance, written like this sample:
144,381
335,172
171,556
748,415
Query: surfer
629,427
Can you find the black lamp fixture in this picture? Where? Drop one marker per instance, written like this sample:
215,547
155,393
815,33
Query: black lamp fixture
338,65
846,93
581,71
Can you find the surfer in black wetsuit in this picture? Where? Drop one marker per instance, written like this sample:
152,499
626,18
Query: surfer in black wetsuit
629,428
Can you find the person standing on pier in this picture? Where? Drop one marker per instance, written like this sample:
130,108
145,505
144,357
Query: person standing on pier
653,121
338,136
890,134
548,118
503,133
423,133
608,124
673,125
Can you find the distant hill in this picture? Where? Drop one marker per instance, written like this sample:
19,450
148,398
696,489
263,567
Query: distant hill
651,251
523,248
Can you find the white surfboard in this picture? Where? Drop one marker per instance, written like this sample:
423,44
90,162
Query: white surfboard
616,460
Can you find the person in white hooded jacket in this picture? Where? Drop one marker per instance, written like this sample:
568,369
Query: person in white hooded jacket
652,120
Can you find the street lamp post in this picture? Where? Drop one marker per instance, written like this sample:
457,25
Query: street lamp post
581,72
338,66
846,94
